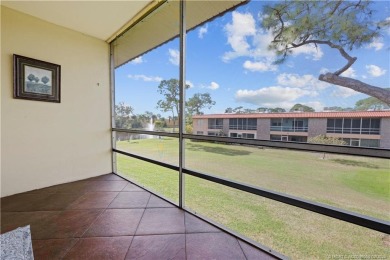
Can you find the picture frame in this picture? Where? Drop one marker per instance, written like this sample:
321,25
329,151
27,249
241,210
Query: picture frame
36,79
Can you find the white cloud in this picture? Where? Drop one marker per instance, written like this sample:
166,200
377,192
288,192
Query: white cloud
310,52
350,73
307,81
213,85
270,95
388,28
324,70
376,44
145,78
375,71
202,31
137,60
259,66
189,83
343,92
248,40
242,26
318,106
174,56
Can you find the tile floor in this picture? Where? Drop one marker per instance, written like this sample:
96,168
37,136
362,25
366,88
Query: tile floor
106,217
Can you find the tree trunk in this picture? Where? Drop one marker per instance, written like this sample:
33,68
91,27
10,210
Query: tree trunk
379,93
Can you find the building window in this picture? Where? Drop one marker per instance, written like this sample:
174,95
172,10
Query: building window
290,138
243,135
276,137
199,132
289,124
369,142
361,142
243,124
248,136
368,126
215,123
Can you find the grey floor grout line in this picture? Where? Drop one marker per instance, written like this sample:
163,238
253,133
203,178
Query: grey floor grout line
81,236
135,232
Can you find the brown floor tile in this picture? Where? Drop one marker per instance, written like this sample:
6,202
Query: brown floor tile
37,202
41,191
52,248
56,202
105,185
116,222
156,202
67,224
196,225
99,248
37,220
161,221
130,199
71,187
106,177
253,253
213,246
132,187
22,202
157,247
94,200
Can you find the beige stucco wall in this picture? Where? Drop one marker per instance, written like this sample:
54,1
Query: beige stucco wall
44,143
385,133
263,128
316,126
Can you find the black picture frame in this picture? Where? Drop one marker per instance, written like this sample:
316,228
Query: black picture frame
36,79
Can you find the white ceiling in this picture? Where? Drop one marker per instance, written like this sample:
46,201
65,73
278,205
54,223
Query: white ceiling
100,19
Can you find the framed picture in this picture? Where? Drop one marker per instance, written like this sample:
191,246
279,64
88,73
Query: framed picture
36,79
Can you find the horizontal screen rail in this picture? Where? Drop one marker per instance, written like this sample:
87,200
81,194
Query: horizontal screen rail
165,165
145,132
322,148
348,216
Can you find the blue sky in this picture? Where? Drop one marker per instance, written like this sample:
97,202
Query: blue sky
228,58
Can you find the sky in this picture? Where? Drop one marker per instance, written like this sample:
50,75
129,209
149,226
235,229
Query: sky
228,58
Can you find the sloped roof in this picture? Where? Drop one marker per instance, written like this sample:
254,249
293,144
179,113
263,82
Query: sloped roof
354,114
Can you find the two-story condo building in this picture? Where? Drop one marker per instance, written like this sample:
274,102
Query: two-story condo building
360,128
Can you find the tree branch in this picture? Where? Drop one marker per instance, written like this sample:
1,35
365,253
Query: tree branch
351,60
380,93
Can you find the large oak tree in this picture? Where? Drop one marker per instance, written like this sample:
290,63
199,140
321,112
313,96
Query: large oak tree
341,25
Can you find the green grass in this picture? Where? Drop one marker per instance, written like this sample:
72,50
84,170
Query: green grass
289,230
372,183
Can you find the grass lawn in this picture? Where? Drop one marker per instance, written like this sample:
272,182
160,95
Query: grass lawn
355,183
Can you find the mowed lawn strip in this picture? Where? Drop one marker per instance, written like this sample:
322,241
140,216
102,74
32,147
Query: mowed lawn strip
358,184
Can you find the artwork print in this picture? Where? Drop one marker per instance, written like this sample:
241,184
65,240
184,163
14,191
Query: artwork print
36,79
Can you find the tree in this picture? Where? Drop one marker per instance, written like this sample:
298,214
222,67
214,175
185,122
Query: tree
370,103
229,110
36,79
197,102
322,139
31,77
341,25
170,103
45,80
277,110
238,110
301,108
122,115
